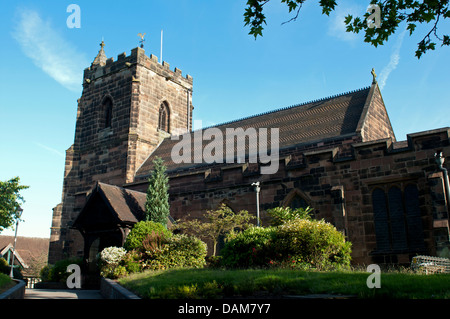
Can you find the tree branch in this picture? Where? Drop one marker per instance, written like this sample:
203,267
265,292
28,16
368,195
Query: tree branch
296,15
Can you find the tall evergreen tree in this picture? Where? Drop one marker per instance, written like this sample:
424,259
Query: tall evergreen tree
157,204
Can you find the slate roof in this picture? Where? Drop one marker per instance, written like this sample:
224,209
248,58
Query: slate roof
127,206
305,123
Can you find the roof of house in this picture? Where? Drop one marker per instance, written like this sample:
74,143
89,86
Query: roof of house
27,248
305,123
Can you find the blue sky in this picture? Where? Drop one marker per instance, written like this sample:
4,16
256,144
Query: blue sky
234,74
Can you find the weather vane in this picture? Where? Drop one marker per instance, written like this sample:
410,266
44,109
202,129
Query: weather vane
142,39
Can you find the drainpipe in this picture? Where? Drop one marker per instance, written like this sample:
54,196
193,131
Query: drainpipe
440,161
189,91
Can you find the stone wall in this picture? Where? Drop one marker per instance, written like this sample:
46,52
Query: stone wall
375,123
339,188
111,150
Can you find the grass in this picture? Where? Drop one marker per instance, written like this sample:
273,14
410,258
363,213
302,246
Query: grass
275,283
5,283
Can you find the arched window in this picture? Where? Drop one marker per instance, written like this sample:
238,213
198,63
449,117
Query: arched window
397,218
164,117
396,213
107,112
381,220
297,202
413,219
296,199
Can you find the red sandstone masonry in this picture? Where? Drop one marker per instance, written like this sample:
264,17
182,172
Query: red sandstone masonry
137,85
335,175
373,163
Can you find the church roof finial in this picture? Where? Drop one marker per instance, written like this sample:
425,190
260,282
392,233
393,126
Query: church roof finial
100,59
374,75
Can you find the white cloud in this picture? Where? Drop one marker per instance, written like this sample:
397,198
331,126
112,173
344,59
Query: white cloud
337,27
393,62
48,50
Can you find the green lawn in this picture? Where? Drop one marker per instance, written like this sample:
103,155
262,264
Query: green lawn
5,283
211,283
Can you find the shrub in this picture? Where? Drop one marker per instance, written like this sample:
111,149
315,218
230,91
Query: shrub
5,282
316,243
214,262
58,271
140,231
300,243
133,261
44,273
154,242
6,269
178,251
109,262
250,248
112,255
281,215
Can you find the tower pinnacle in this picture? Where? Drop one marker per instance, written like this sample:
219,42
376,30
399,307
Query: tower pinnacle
100,59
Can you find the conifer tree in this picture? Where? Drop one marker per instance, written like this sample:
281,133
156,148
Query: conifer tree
157,204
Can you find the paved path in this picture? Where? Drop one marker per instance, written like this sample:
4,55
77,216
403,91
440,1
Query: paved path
62,294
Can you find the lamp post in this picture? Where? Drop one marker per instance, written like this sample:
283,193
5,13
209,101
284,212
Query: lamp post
440,161
257,188
18,215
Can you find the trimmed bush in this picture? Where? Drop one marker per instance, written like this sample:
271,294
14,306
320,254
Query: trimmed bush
315,243
250,248
140,231
281,215
177,251
302,243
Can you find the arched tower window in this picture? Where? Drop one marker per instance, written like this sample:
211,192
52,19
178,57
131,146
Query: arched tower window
107,112
164,117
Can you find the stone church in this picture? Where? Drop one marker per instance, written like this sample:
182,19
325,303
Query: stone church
337,155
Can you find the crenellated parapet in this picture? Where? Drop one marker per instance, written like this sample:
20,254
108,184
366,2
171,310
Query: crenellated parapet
103,66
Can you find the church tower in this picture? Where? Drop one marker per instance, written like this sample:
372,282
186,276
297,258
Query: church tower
126,109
